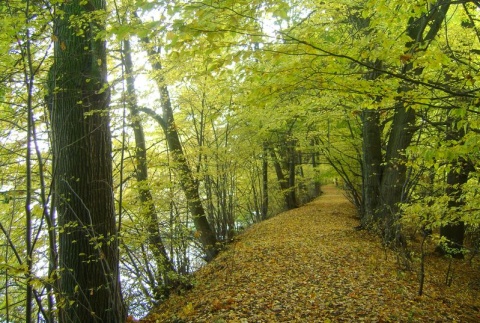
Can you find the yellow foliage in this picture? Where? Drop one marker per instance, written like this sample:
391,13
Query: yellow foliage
187,310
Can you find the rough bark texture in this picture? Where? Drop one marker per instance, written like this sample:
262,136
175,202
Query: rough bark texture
422,30
89,287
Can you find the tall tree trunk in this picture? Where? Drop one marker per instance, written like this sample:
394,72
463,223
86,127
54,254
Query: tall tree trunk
164,266
188,183
290,198
316,170
371,165
371,157
291,157
88,245
454,231
264,190
395,171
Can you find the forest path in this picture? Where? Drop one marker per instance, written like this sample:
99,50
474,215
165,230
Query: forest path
311,265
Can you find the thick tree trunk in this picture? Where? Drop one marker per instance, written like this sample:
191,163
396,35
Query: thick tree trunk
371,165
394,174
290,198
88,251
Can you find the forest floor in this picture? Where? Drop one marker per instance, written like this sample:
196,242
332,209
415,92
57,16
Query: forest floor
311,265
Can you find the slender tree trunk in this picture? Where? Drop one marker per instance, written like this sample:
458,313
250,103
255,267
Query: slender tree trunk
29,82
291,156
188,183
191,188
317,183
163,263
88,245
264,210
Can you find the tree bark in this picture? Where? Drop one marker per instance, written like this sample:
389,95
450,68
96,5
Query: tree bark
82,170
285,183
394,175
264,189
454,231
371,165
291,157
316,170
395,172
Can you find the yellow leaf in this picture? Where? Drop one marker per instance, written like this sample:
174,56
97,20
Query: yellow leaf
188,310
171,35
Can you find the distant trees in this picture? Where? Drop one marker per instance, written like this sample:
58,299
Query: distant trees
392,90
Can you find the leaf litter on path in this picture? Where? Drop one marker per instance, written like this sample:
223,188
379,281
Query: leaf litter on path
310,265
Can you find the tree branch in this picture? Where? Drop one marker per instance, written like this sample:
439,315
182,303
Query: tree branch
431,85
155,116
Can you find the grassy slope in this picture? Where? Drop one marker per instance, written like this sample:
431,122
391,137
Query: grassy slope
310,265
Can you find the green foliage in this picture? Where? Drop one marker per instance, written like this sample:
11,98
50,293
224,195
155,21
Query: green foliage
242,75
